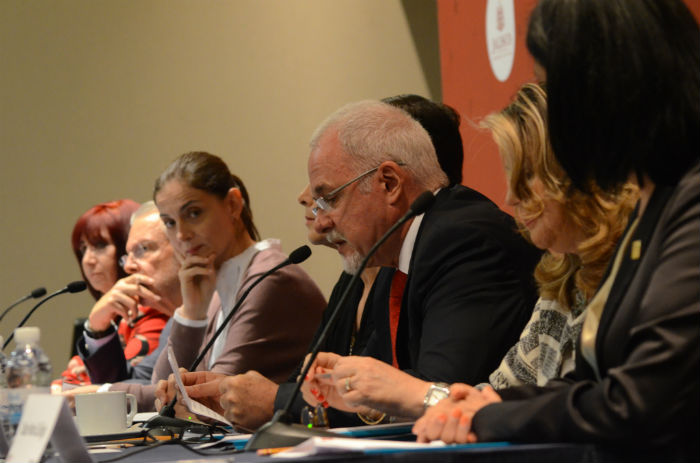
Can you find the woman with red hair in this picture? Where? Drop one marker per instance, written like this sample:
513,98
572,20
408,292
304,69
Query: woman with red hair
99,240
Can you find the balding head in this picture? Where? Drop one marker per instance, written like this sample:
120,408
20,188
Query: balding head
369,161
371,132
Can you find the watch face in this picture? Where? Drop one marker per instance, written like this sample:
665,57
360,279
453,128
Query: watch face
437,394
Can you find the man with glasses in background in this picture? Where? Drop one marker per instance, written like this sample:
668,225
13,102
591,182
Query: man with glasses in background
463,289
150,292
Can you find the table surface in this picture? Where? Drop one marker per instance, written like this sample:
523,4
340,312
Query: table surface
555,452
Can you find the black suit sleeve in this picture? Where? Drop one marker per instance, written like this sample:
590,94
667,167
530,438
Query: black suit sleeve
107,364
647,349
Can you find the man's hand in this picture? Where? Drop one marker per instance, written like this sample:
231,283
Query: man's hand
202,386
121,300
315,391
365,382
248,400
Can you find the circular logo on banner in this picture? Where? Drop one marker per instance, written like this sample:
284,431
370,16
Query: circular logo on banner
500,37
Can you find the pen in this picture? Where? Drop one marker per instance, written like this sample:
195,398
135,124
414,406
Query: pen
272,451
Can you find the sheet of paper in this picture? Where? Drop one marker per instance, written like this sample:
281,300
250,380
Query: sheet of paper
376,430
227,439
193,406
323,445
144,416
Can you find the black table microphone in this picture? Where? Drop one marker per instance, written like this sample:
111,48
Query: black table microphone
73,287
37,293
280,431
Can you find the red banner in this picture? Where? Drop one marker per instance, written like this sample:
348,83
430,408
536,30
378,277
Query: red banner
484,61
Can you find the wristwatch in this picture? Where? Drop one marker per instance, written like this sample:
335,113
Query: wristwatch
98,334
436,392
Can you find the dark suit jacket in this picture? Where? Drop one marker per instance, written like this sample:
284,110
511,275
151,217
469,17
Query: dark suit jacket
338,341
109,365
647,348
470,291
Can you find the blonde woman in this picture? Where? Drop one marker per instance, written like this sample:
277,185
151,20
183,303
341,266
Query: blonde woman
579,232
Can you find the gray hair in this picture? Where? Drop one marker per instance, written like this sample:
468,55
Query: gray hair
145,209
371,132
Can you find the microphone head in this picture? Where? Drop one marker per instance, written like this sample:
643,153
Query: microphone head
39,292
422,203
76,286
300,254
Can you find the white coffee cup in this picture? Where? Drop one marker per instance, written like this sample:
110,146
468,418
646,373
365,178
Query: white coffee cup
104,412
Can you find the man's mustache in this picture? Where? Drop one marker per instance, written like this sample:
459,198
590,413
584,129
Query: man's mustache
333,237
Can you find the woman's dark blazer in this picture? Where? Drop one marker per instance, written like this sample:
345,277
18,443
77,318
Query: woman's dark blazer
647,348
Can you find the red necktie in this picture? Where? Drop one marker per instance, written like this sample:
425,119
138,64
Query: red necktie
398,283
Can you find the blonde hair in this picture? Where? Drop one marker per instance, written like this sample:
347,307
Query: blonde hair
520,131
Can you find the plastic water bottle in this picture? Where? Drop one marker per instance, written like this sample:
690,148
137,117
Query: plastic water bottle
3,401
28,371
3,365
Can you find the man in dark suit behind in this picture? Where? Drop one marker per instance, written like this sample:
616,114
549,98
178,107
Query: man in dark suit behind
469,288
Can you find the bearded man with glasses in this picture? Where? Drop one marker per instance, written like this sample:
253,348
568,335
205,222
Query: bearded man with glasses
464,289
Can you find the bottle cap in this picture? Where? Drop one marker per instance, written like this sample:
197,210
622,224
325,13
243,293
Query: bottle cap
27,335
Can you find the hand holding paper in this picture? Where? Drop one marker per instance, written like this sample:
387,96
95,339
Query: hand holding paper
193,406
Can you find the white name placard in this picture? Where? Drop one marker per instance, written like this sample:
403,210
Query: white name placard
46,417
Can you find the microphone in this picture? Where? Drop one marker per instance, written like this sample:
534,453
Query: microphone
73,287
279,431
166,416
37,293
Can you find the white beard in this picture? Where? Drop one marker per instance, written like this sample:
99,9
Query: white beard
351,262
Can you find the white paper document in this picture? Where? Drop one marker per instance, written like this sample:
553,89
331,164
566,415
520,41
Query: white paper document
193,406
322,445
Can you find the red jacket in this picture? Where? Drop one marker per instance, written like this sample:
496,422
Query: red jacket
139,338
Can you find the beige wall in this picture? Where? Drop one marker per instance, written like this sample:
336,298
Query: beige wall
96,97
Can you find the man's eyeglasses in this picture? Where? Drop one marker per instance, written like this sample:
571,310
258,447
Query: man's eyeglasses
138,253
324,203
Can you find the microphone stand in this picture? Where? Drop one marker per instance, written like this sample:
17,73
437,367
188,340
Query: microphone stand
166,416
73,287
280,431
34,294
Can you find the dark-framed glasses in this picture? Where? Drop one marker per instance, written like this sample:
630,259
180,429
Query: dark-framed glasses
324,202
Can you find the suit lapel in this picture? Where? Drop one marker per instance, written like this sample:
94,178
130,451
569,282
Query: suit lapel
628,267
409,329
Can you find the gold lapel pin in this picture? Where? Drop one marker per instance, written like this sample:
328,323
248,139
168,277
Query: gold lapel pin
636,250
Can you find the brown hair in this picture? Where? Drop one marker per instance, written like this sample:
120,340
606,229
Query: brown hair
520,131
207,172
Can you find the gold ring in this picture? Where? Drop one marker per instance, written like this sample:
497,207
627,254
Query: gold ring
348,387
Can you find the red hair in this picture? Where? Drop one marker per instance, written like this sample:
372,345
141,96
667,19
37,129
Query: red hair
114,217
